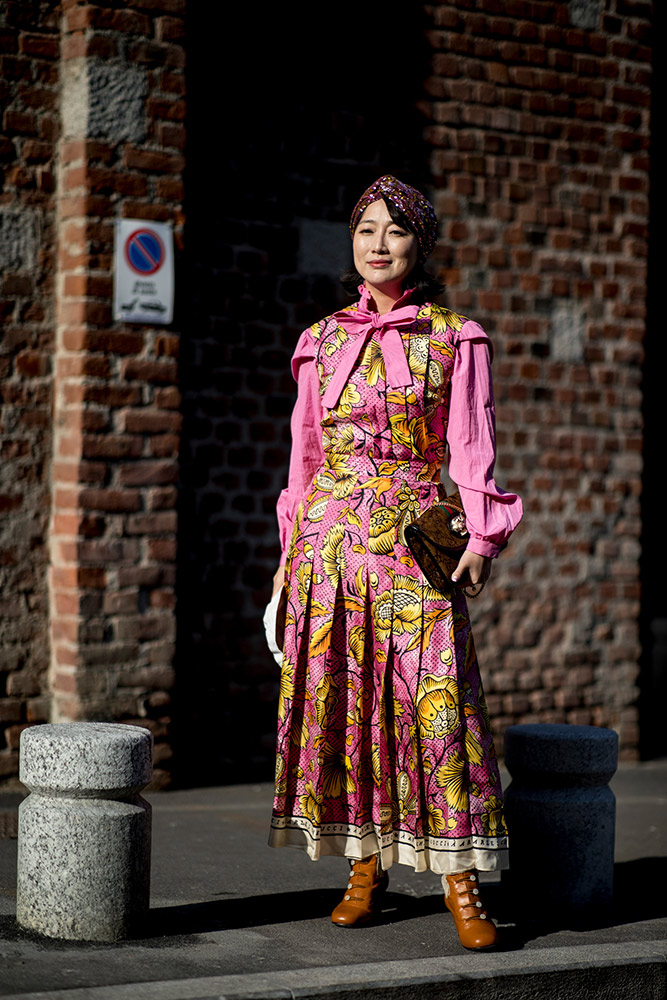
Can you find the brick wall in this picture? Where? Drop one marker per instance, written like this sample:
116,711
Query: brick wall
540,133
29,76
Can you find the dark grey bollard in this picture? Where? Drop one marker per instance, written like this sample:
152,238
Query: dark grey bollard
84,831
561,815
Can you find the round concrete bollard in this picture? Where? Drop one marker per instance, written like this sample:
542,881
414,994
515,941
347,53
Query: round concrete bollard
561,816
84,834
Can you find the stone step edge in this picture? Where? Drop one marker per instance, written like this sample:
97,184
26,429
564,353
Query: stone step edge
639,970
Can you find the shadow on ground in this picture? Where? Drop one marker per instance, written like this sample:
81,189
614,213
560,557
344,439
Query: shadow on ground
634,902
519,924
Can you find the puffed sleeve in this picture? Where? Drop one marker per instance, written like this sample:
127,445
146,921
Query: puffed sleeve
492,514
307,454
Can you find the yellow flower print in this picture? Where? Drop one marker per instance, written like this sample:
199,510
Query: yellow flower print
378,483
336,772
375,763
360,582
349,397
493,820
304,577
281,782
341,336
337,478
437,706
417,436
345,482
442,348
423,442
340,440
317,509
399,609
418,356
337,463
383,611
407,603
406,804
333,558
357,642
286,687
299,729
407,499
381,532
473,748
442,318
435,820
311,804
386,818
400,431
382,714
326,694
351,517
362,706
323,378
408,506
452,777
436,375
325,481
372,364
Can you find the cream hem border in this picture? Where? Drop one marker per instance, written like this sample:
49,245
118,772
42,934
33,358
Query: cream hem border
486,854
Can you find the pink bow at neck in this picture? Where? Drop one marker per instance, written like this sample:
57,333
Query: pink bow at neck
360,325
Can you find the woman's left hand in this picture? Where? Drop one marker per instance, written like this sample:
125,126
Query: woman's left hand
278,579
473,570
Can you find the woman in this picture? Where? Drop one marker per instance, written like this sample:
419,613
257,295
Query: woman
384,748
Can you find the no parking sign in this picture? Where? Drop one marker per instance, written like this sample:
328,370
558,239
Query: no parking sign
143,272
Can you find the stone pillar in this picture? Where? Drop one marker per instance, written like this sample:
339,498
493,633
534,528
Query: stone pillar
561,815
84,831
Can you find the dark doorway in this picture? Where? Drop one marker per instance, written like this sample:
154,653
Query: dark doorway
289,121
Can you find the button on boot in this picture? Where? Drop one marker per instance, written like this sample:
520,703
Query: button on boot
361,900
475,928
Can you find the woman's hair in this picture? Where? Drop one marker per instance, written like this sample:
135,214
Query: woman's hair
427,286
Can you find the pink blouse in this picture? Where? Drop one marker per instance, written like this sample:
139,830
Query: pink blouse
492,514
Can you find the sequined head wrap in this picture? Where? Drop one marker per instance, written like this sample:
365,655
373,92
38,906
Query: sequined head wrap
417,209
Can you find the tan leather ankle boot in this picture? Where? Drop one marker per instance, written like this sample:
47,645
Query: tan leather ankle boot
366,884
475,928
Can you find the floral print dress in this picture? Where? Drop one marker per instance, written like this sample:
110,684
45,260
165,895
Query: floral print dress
384,743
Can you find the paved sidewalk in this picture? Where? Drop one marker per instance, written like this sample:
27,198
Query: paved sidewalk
232,918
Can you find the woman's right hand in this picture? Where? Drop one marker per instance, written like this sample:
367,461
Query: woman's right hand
278,579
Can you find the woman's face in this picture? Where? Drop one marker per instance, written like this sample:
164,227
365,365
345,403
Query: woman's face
384,252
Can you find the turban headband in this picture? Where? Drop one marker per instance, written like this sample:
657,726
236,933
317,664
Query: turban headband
418,211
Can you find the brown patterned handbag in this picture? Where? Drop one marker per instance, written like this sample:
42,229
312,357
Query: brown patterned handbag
438,539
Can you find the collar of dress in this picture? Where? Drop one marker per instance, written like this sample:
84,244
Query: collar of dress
361,324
